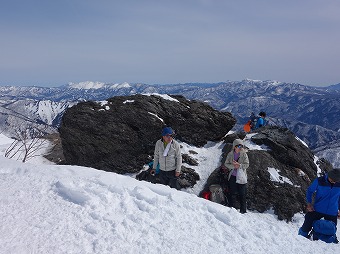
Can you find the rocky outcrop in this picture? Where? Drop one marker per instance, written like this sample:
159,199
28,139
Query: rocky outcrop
120,134
188,177
55,154
279,172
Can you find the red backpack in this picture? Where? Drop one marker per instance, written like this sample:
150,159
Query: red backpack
206,194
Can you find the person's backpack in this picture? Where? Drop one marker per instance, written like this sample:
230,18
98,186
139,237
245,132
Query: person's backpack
149,175
324,230
251,123
217,194
206,195
247,126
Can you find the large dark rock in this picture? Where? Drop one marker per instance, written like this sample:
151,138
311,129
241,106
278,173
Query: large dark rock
120,134
286,155
287,149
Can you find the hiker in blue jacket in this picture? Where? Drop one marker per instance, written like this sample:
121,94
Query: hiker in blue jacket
326,201
261,120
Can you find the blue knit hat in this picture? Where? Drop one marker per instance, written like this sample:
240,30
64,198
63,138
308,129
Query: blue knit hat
167,131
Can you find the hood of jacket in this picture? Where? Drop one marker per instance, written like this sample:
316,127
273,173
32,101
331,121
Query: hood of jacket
237,142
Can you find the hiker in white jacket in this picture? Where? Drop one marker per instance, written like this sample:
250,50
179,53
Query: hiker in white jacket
168,155
237,162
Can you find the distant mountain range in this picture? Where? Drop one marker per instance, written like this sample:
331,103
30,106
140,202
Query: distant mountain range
312,113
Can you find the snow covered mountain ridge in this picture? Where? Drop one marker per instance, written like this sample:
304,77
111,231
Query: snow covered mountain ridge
87,85
292,105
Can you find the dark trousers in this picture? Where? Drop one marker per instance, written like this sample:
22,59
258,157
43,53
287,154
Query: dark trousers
310,217
169,178
237,189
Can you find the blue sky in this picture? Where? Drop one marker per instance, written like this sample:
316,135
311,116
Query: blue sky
51,43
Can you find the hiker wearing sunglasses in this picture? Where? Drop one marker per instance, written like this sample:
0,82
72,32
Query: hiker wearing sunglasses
168,155
237,162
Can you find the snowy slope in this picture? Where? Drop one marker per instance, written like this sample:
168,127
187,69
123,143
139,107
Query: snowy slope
69,209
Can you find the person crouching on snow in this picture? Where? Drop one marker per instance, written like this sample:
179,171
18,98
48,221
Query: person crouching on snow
326,202
237,162
168,155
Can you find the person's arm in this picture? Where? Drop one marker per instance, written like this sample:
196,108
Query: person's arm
309,195
178,160
229,161
156,156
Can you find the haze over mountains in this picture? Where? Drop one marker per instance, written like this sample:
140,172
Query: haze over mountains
312,113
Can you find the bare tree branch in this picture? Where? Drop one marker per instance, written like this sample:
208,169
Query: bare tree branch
27,143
